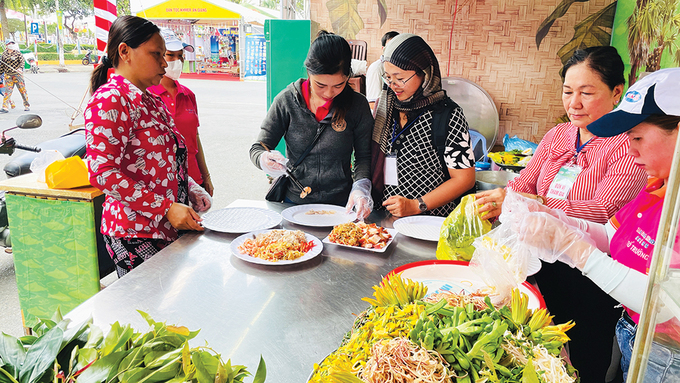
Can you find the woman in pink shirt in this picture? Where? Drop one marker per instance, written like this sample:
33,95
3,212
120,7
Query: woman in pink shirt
181,102
650,116
137,157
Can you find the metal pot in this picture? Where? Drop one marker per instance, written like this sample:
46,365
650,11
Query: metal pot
492,179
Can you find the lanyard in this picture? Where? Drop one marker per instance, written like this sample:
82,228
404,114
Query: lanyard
580,147
394,128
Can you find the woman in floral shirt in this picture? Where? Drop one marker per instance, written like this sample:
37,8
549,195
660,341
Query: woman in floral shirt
137,157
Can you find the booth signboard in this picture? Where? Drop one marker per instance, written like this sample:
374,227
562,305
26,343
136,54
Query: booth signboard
256,57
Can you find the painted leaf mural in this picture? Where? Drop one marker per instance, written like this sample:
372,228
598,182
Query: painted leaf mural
560,11
595,30
345,18
382,11
654,27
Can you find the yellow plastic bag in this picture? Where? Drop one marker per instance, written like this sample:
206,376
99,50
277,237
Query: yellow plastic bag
68,173
460,229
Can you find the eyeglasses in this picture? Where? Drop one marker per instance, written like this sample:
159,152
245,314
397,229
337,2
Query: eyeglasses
396,82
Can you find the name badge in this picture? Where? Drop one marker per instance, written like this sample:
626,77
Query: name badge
564,181
390,170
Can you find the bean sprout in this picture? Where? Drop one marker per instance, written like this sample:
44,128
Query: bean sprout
399,361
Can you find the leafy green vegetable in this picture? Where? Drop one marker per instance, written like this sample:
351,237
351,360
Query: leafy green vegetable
82,354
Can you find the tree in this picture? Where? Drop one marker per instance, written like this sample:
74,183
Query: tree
72,10
24,6
123,7
652,28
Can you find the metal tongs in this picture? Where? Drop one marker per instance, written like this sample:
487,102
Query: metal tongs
305,190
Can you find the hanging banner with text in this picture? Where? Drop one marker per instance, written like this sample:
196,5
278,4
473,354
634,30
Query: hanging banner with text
255,66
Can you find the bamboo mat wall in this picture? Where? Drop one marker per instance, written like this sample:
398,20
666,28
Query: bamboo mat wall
493,45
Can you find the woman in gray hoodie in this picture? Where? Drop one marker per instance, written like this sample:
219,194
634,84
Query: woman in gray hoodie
322,103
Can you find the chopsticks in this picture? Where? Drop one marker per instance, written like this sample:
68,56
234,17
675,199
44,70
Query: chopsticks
305,190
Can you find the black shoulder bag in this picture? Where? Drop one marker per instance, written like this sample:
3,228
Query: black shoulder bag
277,192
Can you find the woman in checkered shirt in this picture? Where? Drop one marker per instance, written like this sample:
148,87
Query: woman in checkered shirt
410,176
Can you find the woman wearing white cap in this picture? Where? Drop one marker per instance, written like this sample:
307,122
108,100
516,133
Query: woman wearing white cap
181,102
650,115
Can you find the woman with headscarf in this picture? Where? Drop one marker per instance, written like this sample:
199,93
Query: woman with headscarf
422,157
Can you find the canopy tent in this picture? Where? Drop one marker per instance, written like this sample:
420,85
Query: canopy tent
219,30
203,11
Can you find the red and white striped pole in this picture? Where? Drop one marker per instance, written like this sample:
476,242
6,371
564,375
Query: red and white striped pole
104,15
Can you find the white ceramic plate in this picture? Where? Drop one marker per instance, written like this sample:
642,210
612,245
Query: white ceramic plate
534,266
425,227
299,215
316,250
456,276
382,250
240,219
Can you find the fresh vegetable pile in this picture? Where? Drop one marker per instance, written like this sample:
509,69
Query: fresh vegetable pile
514,157
406,337
59,354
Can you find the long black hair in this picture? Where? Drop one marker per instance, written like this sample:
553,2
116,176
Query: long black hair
331,54
605,60
131,30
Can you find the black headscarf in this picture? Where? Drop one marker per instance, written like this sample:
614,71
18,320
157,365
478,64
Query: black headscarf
408,52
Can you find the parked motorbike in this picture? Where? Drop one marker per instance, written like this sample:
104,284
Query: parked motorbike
7,146
87,60
32,62
69,145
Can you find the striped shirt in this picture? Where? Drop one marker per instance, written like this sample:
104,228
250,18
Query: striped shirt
609,178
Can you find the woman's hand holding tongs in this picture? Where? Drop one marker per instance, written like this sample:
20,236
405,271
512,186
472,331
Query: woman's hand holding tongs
273,163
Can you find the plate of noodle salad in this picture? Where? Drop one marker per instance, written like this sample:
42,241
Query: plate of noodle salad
276,247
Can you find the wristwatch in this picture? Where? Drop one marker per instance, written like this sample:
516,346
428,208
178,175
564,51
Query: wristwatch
421,204
541,199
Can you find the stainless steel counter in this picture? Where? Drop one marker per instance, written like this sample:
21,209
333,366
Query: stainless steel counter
291,315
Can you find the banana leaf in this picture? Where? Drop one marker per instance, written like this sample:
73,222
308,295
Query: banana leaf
345,17
591,32
558,12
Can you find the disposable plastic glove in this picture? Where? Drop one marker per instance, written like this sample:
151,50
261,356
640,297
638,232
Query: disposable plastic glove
554,240
199,199
360,198
274,163
516,206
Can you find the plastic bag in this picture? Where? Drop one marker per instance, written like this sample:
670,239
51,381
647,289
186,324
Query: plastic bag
460,229
68,173
358,67
516,143
42,161
501,260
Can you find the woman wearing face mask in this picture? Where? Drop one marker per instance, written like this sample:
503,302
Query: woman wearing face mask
181,102
137,157
322,105
418,178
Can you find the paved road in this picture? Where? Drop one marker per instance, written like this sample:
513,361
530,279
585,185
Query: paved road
230,114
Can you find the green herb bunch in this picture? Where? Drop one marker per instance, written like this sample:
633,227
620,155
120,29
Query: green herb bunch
60,353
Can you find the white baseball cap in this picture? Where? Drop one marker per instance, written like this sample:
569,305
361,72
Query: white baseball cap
658,93
173,43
